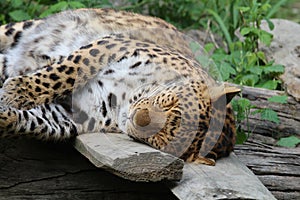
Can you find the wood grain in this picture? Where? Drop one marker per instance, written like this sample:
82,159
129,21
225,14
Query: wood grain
128,159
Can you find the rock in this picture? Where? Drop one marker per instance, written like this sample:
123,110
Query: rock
285,50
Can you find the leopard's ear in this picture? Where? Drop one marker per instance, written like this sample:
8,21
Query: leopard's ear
221,92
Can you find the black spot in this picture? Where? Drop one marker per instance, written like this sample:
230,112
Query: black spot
71,81
139,44
91,124
123,49
9,32
45,57
152,55
86,61
111,58
86,46
27,24
135,65
101,58
107,122
102,42
55,118
100,83
112,100
17,38
10,25
123,96
165,60
104,110
49,68
32,126
156,49
93,70
25,114
123,58
37,81
54,77
70,57
38,89
62,68
110,71
46,85
94,52
110,46
39,120
147,62
57,85
77,59
136,53
70,70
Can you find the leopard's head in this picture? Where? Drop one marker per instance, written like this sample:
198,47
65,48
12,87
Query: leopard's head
177,116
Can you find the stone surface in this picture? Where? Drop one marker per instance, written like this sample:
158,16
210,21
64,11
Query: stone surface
285,50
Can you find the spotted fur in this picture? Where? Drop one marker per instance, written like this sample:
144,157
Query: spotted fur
114,80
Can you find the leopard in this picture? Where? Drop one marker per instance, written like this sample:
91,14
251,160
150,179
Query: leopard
101,70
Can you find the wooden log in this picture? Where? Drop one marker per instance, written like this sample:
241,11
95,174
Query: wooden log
118,154
31,170
128,159
288,114
229,179
278,168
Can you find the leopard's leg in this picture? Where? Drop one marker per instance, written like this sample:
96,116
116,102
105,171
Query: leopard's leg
76,70
45,122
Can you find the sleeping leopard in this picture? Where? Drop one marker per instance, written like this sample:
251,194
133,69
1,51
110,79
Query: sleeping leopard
101,70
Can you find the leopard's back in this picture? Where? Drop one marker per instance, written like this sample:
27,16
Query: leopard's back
31,45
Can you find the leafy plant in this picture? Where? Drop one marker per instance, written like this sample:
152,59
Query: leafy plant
291,141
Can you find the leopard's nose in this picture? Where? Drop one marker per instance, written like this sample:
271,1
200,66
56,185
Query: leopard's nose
141,118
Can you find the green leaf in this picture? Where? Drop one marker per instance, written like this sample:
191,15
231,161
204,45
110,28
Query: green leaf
291,141
245,31
244,9
261,55
265,37
270,115
278,99
209,47
241,137
226,70
16,3
274,69
75,4
256,70
19,15
270,84
249,79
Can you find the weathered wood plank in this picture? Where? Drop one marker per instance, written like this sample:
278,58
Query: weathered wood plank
278,168
199,181
229,179
130,160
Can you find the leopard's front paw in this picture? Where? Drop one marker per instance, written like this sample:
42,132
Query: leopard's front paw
8,118
16,94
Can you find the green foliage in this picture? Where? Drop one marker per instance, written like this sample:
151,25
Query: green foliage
243,108
278,99
291,141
